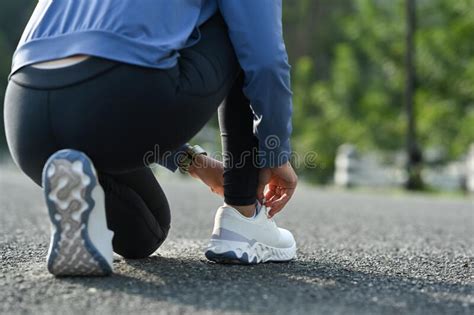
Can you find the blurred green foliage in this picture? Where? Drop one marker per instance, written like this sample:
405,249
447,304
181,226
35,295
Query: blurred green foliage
348,73
357,95
13,18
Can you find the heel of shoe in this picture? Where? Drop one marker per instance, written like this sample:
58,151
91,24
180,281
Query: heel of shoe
68,182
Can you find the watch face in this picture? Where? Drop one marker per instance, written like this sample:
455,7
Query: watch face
184,161
186,158
196,150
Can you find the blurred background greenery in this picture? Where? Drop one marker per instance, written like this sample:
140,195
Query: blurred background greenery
349,76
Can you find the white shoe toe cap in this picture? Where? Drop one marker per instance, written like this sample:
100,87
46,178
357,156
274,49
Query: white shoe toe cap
286,239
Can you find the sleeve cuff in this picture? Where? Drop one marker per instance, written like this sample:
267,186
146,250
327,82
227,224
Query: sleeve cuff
271,155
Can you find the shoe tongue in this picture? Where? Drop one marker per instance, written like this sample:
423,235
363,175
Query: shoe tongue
258,208
261,208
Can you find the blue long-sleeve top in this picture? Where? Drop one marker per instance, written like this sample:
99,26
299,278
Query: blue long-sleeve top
150,33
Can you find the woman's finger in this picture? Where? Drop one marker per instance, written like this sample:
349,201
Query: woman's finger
264,178
278,204
270,192
269,201
269,195
260,194
219,191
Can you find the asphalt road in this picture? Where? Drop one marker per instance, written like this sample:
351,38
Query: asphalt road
359,253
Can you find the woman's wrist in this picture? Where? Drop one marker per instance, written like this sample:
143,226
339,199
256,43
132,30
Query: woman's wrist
197,165
209,171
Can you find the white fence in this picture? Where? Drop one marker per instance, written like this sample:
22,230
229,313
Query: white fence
354,169
470,170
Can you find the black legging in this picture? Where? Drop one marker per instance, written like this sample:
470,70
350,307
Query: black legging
117,112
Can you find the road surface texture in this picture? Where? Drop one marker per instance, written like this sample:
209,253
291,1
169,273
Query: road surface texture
359,253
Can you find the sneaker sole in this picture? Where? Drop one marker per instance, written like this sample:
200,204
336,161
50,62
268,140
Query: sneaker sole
230,252
68,181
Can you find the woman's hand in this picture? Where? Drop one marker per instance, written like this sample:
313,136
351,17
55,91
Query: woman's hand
281,183
210,171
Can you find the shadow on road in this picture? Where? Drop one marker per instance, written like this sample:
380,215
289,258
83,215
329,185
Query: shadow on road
279,288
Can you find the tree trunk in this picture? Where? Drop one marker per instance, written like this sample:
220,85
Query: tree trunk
414,155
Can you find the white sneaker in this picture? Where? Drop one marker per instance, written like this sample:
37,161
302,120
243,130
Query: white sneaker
238,239
81,243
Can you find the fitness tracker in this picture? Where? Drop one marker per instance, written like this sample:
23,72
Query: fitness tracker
187,158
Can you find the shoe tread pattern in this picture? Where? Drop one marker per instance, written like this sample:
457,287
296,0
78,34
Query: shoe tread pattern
68,191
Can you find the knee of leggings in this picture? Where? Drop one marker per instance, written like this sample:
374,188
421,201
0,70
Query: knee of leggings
137,246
